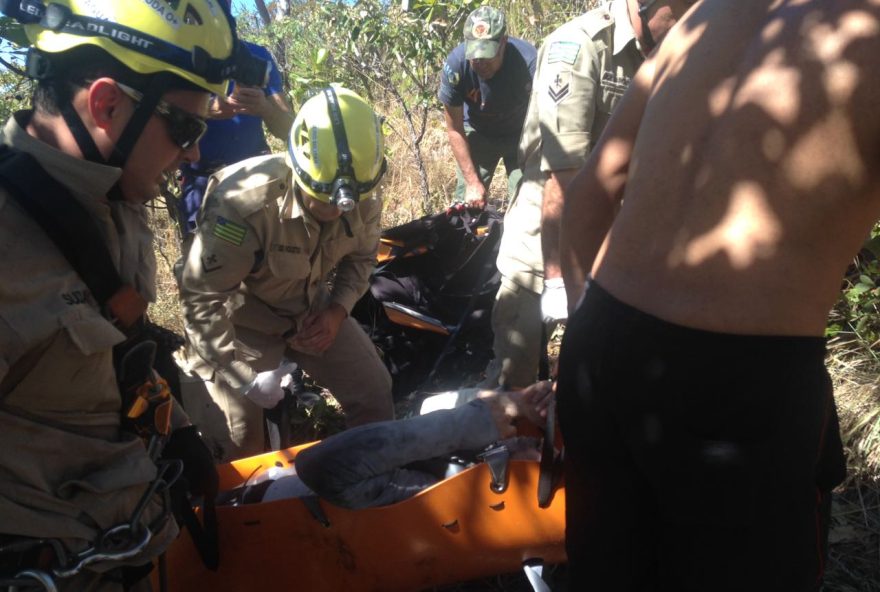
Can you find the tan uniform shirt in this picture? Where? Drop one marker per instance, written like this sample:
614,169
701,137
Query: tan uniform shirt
261,262
64,466
583,69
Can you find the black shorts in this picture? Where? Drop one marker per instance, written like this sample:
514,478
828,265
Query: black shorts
695,461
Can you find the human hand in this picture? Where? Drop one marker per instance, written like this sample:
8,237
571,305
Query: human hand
475,196
220,108
266,389
249,100
536,399
319,330
554,301
530,403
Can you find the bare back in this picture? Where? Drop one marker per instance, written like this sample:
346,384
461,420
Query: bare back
753,179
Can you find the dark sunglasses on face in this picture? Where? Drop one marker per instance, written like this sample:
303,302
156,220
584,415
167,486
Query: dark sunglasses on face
185,129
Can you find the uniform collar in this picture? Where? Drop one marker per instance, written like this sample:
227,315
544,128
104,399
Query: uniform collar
624,34
289,207
292,209
85,179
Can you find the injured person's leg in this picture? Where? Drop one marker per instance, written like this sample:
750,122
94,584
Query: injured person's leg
367,466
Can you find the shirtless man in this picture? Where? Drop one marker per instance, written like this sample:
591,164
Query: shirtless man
717,215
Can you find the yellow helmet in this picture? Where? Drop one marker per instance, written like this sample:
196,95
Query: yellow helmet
336,148
193,39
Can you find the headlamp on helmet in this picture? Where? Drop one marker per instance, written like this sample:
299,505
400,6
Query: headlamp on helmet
335,141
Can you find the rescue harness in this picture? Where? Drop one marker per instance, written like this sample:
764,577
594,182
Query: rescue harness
146,396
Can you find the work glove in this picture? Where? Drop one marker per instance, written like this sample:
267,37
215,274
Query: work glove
185,444
266,389
554,302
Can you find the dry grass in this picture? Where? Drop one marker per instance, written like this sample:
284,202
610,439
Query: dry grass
166,310
854,541
401,187
856,379
854,554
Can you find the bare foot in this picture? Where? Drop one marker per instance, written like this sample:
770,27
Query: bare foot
506,406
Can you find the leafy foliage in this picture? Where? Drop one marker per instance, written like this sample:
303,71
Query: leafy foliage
15,90
15,93
391,56
855,319
12,31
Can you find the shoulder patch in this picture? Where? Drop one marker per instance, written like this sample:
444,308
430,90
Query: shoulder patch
563,51
229,231
452,76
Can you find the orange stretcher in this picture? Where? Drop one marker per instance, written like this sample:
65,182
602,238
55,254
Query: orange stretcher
456,530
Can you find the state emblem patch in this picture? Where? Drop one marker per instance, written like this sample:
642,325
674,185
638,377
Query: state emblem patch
229,231
451,75
563,51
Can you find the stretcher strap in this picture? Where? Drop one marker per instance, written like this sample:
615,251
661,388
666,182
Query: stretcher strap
548,476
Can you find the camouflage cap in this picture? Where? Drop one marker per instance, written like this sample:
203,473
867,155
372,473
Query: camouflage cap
483,30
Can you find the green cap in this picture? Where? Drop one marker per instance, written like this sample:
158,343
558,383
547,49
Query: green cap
483,31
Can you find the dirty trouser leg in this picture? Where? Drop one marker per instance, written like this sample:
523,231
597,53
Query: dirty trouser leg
353,372
231,424
362,467
510,155
516,322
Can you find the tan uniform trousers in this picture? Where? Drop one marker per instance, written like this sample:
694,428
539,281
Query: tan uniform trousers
516,320
233,426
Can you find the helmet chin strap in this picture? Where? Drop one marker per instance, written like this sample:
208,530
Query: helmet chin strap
647,38
80,134
143,110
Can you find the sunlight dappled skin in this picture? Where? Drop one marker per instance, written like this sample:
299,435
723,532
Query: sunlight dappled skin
830,137
759,163
688,39
748,231
763,84
720,96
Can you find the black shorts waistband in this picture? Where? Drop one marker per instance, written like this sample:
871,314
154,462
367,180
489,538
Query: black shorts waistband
599,303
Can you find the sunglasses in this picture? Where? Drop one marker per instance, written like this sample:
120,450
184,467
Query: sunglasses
184,129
